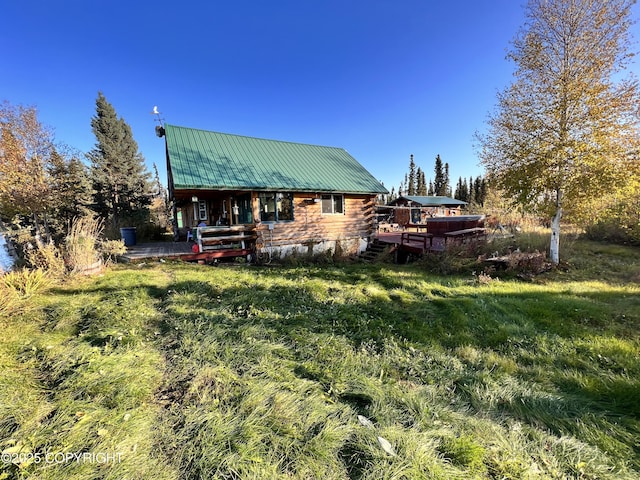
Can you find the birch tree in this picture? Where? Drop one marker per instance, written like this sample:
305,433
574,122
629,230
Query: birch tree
566,129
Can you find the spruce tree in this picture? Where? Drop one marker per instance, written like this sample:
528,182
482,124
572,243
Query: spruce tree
447,188
73,191
412,181
439,181
471,198
461,190
421,189
120,178
479,190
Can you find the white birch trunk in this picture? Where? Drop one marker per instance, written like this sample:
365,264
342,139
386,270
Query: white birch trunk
554,249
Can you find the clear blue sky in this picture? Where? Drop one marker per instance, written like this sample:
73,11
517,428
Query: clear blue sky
381,78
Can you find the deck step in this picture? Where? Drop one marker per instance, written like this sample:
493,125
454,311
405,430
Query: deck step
373,251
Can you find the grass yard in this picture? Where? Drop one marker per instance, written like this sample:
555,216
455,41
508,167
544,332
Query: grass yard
363,371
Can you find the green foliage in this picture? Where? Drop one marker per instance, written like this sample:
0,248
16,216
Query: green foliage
120,179
72,192
618,222
42,184
441,178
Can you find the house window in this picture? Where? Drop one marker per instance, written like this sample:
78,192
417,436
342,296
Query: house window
332,204
202,210
276,207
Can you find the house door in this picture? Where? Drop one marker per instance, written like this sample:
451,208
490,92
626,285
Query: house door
245,213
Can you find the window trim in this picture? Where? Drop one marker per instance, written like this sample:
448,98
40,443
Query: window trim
272,196
202,210
332,197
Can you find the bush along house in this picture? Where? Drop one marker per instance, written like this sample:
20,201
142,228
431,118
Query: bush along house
236,195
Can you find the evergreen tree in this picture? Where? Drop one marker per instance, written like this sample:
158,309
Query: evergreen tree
471,196
120,178
412,180
447,186
462,193
439,181
480,190
72,189
421,188
431,191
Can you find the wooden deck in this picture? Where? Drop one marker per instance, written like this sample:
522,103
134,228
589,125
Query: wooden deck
412,242
419,243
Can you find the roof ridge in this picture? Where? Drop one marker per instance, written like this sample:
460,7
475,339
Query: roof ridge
255,138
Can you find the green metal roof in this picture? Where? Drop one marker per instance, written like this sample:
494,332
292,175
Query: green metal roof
435,201
200,159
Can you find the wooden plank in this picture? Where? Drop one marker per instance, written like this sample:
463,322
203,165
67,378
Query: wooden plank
224,229
211,255
226,239
464,232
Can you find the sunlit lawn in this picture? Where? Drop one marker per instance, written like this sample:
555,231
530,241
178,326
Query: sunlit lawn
245,372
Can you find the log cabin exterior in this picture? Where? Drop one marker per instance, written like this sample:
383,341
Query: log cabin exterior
284,197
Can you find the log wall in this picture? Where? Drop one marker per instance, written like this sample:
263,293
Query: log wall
313,230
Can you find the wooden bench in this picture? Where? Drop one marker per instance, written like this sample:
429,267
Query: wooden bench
235,237
463,236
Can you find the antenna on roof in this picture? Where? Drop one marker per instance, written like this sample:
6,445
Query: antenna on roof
160,120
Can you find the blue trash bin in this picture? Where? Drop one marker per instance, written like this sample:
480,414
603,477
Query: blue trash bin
128,234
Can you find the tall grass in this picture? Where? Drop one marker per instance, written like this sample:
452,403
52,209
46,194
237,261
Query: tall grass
81,243
24,282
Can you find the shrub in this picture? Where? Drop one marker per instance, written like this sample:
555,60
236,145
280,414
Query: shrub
46,257
614,231
531,263
616,219
111,249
